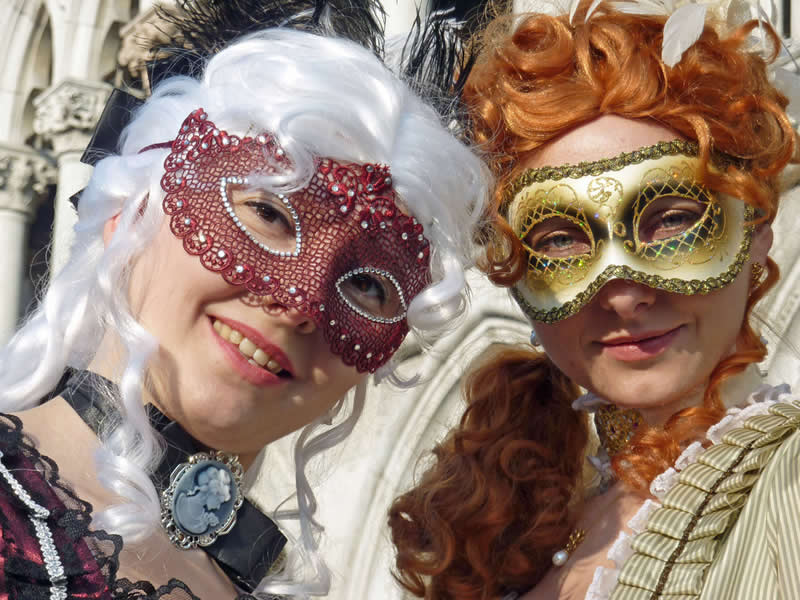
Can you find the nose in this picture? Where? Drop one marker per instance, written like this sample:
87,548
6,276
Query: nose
626,298
292,317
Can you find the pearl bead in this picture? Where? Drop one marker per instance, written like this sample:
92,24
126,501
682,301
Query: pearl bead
560,557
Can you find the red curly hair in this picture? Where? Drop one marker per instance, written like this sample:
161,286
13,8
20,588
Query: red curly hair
504,490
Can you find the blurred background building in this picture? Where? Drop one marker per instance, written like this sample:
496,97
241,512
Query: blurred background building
63,57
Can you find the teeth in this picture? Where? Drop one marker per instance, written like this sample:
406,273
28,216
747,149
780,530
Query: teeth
261,357
257,357
247,347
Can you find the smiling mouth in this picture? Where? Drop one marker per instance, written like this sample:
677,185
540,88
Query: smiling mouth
638,339
640,347
256,356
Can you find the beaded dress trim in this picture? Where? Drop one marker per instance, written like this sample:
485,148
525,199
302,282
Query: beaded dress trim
47,549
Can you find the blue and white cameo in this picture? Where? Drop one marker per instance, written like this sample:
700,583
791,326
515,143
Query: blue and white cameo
201,501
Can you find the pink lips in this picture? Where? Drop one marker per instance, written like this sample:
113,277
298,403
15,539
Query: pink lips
253,374
259,340
639,347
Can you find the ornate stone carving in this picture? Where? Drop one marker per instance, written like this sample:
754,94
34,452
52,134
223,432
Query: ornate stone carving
69,105
24,177
138,37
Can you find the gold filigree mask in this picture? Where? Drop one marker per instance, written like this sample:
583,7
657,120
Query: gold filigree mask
641,216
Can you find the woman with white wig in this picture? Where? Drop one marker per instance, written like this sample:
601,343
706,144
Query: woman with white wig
263,239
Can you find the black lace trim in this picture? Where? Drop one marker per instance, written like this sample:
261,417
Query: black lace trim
141,590
69,521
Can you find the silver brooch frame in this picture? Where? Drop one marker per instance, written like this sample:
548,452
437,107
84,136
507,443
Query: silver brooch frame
202,499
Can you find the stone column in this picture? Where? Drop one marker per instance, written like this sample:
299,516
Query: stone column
65,117
24,176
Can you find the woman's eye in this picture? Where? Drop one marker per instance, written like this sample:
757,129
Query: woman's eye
558,238
269,213
669,217
373,293
671,223
558,241
269,219
369,287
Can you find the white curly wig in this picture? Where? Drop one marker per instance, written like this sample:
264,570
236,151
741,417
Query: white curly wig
320,97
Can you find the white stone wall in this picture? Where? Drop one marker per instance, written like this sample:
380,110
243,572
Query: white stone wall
58,59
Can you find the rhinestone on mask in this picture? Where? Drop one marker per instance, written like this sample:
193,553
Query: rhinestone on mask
298,238
360,310
219,236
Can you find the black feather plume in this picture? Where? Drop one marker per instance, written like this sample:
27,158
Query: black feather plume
435,61
206,26
439,53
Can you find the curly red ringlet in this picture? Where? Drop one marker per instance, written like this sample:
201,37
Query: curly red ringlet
538,77
347,220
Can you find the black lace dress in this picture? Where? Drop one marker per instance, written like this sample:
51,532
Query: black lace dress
47,548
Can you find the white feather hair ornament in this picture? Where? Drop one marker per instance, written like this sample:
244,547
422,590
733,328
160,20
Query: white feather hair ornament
554,8
683,28
686,19
592,7
644,7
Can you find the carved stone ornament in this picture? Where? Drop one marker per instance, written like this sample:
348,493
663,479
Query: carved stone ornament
24,177
138,38
70,105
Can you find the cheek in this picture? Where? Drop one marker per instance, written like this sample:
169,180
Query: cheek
167,283
331,380
562,342
720,316
331,376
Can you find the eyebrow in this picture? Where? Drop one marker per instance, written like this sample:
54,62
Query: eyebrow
658,187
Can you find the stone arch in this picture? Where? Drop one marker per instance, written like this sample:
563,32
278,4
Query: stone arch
780,309
437,406
105,41
28,69
106,59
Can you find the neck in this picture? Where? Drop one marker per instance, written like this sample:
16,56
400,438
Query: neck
108,361
733,392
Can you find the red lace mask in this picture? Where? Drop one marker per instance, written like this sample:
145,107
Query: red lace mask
338,250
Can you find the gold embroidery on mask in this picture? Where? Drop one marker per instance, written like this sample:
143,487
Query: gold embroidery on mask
559,201
607,193
696,244
598,167
599,210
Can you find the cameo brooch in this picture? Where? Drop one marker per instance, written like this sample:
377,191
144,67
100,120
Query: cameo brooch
202,498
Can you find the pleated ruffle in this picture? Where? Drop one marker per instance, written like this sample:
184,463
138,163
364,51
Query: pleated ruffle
681,538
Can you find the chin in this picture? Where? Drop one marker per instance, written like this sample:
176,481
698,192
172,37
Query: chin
645,389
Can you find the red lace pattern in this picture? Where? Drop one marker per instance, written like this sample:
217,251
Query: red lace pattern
346,222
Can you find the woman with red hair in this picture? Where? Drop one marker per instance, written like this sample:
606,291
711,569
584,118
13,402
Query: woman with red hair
637,159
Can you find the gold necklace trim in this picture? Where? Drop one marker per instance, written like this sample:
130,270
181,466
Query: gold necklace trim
574,540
